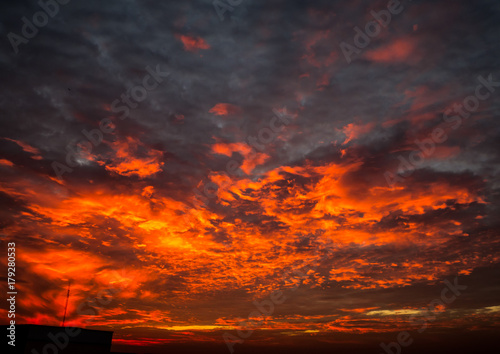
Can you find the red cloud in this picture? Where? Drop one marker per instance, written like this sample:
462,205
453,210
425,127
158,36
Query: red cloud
397,51
192,44
353,131
223,109
27,148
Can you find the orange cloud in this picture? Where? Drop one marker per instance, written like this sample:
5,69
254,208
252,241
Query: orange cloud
128,162
6,162
224,109
27,148
251,159
208,251
192,44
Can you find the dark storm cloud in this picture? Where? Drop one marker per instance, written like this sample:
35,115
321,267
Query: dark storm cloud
101,52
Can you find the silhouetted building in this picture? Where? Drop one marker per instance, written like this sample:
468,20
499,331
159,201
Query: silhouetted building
35,339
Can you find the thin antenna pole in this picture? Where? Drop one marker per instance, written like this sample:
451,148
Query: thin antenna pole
66,307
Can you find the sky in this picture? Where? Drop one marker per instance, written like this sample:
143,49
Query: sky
248,175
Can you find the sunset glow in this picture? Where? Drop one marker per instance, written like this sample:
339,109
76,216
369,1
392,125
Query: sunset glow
249,177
